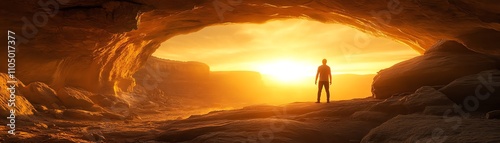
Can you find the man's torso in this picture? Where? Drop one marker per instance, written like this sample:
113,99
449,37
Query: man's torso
324,71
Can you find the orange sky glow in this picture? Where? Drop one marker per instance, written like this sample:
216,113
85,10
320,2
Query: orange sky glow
286,50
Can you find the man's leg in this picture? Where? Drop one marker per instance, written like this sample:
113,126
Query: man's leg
320,87
327,89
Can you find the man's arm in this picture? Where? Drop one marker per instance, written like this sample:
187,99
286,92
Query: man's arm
316,79
330,75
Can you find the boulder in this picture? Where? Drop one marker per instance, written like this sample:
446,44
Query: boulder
475,92
441,64
424,129
75,98
495,114
22,105
416,102
424,97
41,93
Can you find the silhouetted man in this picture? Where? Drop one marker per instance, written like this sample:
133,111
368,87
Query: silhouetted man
325,77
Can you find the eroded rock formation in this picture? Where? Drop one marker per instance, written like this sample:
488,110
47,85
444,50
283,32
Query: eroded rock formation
41,93
98,45
475,92
10,101
421,128
438,66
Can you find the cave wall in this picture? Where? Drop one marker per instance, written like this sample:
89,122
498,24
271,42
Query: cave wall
99,44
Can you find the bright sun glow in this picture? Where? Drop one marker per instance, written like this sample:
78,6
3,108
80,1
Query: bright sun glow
286,71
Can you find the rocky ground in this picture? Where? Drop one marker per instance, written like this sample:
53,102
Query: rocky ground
424,116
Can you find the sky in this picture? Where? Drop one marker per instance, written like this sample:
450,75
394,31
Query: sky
286,50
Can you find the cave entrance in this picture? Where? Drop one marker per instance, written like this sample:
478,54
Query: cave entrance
287,53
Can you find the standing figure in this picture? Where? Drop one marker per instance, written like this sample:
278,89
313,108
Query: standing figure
325,79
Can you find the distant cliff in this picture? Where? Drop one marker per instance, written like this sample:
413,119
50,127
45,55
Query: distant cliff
194,82
172,70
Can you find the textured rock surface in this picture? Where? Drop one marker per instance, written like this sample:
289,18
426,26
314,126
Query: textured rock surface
75,98
110,40
40,93
416,102
436,110
108,100
339,121
424,97
371,116
443,63
421,128
290,123
476,92
22,105
77,114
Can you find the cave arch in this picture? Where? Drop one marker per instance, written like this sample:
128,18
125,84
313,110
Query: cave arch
98,45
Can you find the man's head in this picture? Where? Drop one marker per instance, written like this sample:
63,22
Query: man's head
324,61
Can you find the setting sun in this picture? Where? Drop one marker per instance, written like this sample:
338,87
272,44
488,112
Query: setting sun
286,71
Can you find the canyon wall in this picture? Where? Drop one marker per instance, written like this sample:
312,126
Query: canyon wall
158,72
98,45
194,84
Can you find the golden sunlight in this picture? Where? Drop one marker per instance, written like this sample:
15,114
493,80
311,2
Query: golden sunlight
287,54
287,71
